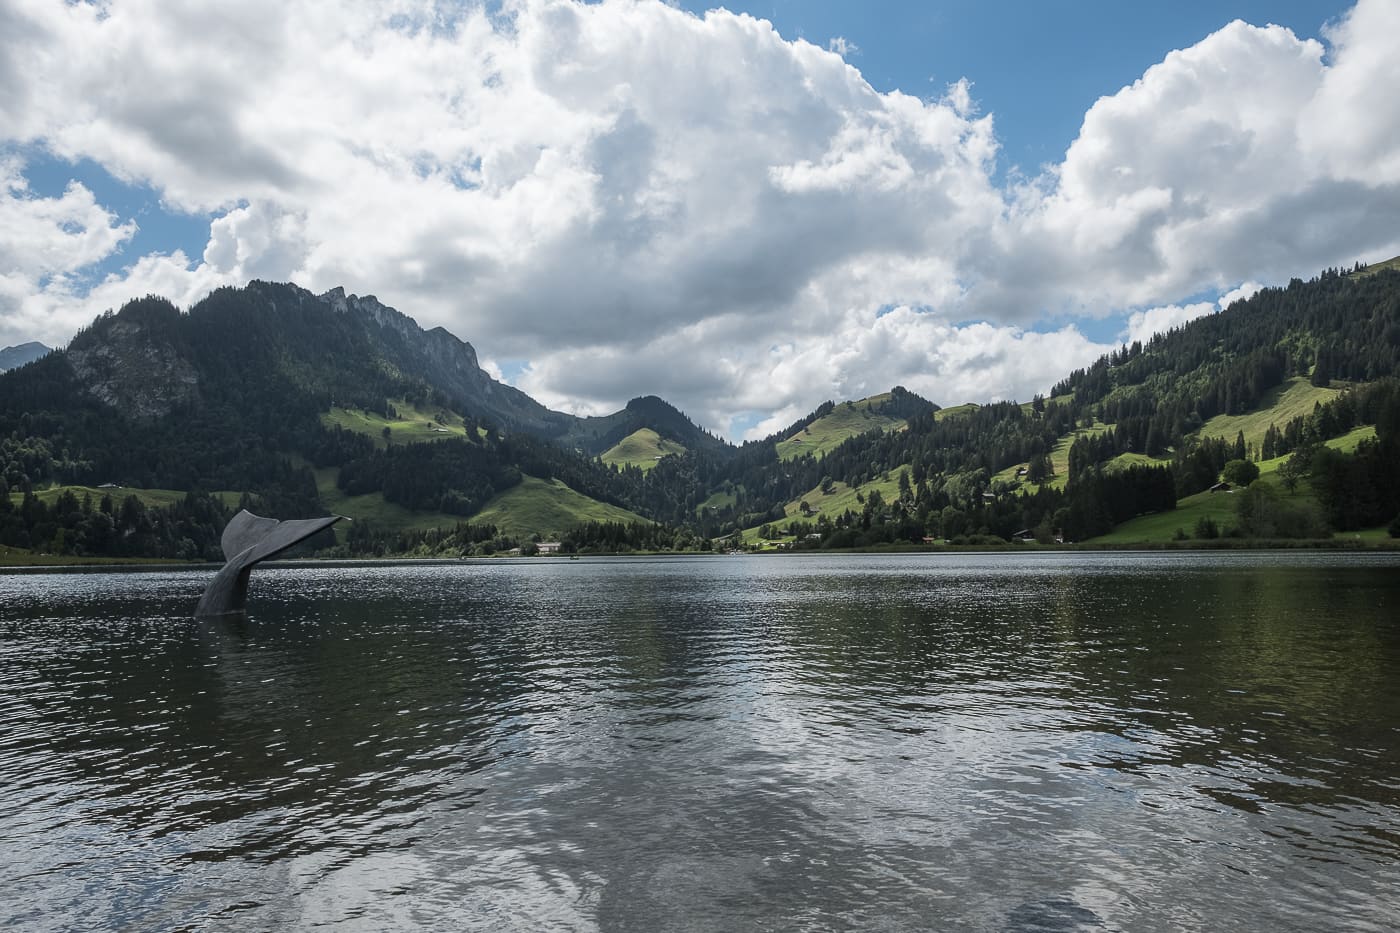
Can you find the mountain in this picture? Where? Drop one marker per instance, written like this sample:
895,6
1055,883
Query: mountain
15,357
835,424
598,434
149,360
299,403
445,363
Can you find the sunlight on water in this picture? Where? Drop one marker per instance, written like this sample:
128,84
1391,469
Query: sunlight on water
1005,742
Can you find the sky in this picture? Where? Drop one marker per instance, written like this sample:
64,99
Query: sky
746,211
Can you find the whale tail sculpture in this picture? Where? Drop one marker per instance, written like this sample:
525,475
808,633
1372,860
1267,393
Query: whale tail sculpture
247,541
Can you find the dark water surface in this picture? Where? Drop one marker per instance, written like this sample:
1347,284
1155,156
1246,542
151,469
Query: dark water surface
980,742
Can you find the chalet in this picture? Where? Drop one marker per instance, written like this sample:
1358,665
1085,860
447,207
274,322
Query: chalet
550,547
1025,534
1221,487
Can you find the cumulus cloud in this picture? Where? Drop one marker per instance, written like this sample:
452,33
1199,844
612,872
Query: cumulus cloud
45,244
636,199
1242,293
859,353
1228,160
1144,325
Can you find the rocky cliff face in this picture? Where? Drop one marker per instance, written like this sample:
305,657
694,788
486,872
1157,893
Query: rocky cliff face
131,363
278,344
449,363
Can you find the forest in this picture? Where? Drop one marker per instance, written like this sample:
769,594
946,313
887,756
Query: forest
237,398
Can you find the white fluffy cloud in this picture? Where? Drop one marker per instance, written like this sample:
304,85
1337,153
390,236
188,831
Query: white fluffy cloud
635,199
1235,158
44,244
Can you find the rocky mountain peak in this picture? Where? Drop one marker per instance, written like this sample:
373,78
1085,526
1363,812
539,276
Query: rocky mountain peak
134,361
20,354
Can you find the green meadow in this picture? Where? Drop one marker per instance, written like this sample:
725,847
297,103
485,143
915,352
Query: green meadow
1294,398
412,423
833,503
546,507
845,421
151,498
642,448
1220,506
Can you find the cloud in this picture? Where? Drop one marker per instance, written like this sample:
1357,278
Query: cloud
856,355
1235,158
1242,293
1351,126
842,46
45,246
1144,325
636,199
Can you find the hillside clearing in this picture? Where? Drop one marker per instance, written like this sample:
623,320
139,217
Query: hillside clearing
845,421
151,498
1296,397
412,423
1059,461
1220,506
832,504
372,507
963,409
546,507
642,448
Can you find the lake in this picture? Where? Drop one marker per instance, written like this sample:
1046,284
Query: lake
1017,742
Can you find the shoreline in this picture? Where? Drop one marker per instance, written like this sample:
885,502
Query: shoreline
118,565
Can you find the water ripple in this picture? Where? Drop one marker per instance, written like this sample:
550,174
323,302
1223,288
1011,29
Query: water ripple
986,742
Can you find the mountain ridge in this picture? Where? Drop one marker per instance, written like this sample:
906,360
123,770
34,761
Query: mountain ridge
295,400
21,354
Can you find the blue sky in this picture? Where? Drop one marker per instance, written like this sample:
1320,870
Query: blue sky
706,210
1036,64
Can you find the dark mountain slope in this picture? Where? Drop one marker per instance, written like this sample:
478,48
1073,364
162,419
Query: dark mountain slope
232,396
596,434
17,356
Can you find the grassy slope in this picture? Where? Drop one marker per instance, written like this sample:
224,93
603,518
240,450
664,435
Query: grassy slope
372,507
641,448
1221,506
20,557
719,500
955,410
1295,397
412,424
151,498
546,507
843,423
841,498
1377,267
1065,399
1059,459
1347,443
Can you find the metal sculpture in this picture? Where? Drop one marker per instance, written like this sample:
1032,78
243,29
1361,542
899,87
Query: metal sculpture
247,541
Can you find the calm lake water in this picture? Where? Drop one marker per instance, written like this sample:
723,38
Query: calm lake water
971,742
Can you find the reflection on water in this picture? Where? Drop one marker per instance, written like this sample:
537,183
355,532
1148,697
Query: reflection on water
1000,742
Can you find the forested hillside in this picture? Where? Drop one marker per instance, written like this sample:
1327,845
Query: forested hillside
294,402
